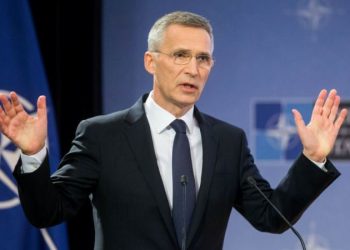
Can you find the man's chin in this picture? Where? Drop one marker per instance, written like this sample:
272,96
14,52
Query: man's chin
188,101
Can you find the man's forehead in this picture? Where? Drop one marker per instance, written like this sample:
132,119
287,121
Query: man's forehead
181,37
184,28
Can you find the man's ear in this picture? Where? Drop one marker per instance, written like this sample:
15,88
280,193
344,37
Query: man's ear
149,62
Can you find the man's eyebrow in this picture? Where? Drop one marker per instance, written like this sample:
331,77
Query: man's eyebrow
204,54
190,51
182,50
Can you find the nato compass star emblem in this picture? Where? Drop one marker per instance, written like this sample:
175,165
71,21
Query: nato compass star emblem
274,130
283,131
314,13
9,155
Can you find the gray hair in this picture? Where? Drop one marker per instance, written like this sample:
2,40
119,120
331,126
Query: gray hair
184,18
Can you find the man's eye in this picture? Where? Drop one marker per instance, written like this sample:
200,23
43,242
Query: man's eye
181,55
203,58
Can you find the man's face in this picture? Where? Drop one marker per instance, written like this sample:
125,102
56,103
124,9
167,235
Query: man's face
178,87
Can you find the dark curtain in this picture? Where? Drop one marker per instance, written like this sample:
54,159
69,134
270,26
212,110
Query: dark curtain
69,35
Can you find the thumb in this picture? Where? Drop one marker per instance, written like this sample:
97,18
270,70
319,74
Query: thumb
298,119
42,110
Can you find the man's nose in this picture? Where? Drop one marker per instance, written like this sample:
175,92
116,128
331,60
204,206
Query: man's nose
192,67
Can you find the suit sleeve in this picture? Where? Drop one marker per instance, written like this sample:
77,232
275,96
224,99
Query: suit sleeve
303,183
49,200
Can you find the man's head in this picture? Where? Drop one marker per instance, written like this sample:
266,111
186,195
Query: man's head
179,57
183,18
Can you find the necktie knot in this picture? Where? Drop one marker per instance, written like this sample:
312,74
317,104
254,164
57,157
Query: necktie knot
179,126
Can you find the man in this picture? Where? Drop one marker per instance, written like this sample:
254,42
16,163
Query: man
129,161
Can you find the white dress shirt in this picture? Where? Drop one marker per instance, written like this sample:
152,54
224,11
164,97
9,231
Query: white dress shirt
163,138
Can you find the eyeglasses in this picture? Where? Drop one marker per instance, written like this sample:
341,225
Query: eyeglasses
184,57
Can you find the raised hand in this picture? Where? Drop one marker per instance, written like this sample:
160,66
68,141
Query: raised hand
318,137
28,132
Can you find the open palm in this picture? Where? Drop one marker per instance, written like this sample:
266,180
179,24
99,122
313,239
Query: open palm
319,135
27,132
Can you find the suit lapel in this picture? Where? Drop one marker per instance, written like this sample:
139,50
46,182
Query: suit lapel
140,140
210,143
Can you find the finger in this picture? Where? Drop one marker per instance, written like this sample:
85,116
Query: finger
2,114
7,106
341,118
317,110
334,109
327,107
299,122
16,103
3,98
42,109
3,121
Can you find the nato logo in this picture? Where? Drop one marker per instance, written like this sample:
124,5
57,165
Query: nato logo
276,137
9,155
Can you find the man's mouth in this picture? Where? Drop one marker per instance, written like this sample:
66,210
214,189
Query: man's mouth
189,86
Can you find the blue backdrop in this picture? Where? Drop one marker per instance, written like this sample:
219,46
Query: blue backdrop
21,70
270,56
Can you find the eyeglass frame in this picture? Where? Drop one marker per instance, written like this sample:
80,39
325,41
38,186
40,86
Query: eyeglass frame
189,58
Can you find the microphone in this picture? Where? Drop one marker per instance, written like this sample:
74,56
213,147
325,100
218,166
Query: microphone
252,181
183,181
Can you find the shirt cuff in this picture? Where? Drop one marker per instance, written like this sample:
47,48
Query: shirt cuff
321,165
30,163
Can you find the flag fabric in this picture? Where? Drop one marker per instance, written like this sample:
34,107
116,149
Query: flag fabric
21,70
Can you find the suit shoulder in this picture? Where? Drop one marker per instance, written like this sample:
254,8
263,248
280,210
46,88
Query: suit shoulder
108,118
221,126
103,122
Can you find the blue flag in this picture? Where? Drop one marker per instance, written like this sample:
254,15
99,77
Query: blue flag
21,70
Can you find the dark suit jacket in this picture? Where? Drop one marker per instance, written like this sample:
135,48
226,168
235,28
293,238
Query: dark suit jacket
112,158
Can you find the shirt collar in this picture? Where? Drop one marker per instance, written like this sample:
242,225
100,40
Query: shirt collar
160,118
